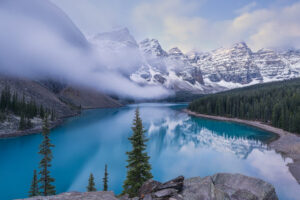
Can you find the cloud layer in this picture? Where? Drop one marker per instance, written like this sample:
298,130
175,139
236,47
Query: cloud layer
172,24
39,41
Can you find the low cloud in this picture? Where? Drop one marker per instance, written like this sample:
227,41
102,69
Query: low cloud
37,40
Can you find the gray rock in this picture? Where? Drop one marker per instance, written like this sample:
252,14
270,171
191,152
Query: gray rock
176,183
202,189
231,183
243,195
176,197
220,186
79,196
165,193
148,197
149,187
124,197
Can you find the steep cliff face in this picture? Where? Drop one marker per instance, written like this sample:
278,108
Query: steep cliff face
87,98
230,65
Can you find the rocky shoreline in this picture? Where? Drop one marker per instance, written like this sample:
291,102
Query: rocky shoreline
287,144
35,130
38,129
221,186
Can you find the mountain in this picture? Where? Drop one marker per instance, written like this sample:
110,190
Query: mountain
204,72
171,69
221,69
120,36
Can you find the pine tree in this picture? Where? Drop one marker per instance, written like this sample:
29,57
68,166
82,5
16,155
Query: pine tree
138,168
52,115
45,150
91,186
34,189
42,112
105,179
22,123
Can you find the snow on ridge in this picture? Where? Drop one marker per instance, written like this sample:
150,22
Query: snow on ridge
209,72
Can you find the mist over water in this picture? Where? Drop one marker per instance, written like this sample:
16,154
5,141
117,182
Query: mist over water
179,145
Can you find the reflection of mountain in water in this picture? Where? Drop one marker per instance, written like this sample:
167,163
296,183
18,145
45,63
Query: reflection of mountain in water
180,130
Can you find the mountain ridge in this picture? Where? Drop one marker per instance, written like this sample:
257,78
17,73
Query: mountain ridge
210,72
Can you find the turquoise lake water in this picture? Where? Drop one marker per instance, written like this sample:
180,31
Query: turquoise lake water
179,145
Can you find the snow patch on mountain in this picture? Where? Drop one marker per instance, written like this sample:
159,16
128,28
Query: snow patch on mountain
204,72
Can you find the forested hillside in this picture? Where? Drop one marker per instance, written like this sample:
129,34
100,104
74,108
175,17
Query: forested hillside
276,103
11,103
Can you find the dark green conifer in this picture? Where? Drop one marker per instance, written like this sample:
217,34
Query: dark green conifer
42,111
91,185
105,179
45,150
22,123
138,168
34,189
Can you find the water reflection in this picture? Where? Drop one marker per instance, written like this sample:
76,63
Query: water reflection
179,144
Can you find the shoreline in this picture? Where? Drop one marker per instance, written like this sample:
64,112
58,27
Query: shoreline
287,144
53,125
256,124
33,131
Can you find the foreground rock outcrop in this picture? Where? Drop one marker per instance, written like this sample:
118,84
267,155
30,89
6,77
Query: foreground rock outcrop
101,195
222,186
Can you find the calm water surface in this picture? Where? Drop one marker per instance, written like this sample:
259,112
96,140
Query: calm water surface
179,145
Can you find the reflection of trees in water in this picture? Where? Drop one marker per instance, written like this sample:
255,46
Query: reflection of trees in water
180,130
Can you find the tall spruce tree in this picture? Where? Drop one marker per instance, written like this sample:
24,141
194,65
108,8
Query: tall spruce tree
45,150
34,189
105,179
91,185
138,168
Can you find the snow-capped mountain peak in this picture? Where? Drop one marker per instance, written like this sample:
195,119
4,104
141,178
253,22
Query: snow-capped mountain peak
175,51
151,47
118,35
209,72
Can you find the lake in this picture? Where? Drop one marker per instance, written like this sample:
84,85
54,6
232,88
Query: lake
178,144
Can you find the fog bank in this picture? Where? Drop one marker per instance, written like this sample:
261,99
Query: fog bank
38,40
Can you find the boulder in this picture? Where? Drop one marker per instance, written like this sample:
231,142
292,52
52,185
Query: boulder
147,197
149,187
232,183
202,188
165,193
176,183
243,195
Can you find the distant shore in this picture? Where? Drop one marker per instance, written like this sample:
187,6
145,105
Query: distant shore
288,144
256,124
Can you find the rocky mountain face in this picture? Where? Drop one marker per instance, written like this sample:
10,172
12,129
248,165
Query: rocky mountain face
221,69
206,72
217,187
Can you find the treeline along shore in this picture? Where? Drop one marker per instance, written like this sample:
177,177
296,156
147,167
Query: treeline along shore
276,104
273,107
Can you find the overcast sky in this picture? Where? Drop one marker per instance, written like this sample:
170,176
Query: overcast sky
193,24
